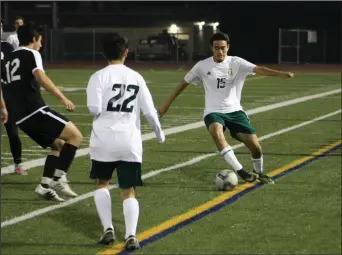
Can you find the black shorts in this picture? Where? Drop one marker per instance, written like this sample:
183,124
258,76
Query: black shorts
128,173
43,126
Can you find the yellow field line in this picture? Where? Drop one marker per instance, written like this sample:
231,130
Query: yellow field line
197,210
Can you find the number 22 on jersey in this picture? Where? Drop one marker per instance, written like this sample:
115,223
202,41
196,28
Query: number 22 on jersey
114,106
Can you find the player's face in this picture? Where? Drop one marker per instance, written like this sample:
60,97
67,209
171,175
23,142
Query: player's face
37,44
18,23
220,50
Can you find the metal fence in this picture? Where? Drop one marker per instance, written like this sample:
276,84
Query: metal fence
75,44
301,46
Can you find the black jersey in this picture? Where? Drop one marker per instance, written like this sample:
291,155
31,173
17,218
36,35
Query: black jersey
22,91
6,51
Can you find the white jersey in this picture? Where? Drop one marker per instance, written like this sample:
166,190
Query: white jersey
222,82
13,40
120,93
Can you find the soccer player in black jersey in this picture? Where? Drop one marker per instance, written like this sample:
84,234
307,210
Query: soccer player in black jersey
24,73
11,127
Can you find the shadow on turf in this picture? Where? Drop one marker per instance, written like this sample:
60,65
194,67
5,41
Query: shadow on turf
44,244
87,222
247,153
297,120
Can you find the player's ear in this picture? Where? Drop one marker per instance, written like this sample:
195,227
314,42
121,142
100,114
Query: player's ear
228,47
125,53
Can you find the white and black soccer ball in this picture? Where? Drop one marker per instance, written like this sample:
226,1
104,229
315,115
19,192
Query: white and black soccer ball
226,180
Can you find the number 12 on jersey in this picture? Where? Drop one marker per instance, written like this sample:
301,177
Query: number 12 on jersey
10,72
112,106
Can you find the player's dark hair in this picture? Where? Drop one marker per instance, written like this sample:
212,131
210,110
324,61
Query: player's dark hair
114,46
27,32
219,36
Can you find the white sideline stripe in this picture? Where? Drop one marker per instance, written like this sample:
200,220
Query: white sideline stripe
193,161
82,152
9,158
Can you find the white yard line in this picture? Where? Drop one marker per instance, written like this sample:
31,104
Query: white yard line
9,158
25,154
193,161
85,151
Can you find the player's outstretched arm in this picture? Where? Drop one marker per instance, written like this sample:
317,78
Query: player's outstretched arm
48,85
261,70
172,97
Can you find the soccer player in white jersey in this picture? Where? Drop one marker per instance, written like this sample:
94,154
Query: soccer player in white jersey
115,96
13,38
223,77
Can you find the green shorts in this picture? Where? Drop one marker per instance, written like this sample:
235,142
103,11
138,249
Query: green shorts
236,122
129,173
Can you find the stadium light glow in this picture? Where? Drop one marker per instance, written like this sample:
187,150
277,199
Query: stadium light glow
215,25
200,24
173,29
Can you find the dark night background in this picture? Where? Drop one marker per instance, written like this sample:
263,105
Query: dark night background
252,26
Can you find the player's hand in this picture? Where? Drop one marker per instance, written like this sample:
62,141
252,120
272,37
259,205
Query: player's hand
289,75
160,136
4,115
162,110
69,106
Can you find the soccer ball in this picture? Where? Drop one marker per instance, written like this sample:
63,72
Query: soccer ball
226,180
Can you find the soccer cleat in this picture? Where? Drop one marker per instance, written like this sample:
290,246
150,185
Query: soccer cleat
19,170
264,178
63,187
48,194
247,177
108,237
132,243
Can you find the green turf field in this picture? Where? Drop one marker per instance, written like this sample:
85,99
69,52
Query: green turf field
301,214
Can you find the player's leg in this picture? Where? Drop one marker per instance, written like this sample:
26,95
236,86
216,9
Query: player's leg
215,123
73,139
51,162
129,177
242,130
102,173
252,143
44,128
59,127
50,165
15,145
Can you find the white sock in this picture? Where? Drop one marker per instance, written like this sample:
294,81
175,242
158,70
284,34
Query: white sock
46,180
103,204
230,158
131,213
258,164
58,173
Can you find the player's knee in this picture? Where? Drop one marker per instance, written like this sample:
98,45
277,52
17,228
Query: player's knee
100,184
216,131
127,193
78,137
57,145
73,135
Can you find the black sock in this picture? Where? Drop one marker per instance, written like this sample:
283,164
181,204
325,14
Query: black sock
49,168
66,156
243,174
